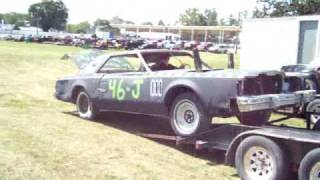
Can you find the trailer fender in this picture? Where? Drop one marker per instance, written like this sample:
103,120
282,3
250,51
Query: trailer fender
231,152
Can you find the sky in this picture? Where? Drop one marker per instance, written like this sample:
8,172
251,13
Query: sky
138,11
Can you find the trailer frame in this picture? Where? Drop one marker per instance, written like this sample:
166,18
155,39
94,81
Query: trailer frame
295,142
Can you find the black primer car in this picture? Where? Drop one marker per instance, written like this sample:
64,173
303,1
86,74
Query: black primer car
189,97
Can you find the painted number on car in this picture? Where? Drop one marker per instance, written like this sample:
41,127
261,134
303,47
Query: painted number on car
120,91
156,87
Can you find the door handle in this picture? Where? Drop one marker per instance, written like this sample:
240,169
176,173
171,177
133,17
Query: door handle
101,90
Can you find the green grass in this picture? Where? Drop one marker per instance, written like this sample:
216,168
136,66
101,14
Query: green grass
39,140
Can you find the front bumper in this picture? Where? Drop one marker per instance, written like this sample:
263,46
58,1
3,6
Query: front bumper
274,101
62,97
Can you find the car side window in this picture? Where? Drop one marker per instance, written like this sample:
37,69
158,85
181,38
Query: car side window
124,63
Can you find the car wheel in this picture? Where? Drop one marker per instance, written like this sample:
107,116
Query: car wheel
85,107
258,157
255,118
187,115
309,168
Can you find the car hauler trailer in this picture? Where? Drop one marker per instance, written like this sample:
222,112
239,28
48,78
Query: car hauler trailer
262,152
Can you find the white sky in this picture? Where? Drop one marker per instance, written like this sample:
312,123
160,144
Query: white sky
135,10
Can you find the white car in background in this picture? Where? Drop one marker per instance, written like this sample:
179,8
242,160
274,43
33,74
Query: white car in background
223,48
172,45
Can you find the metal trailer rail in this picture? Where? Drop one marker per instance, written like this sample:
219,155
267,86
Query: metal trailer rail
265,152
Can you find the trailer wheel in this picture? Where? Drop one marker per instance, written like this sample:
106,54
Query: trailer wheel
310,166
311,85
314,106
258,157
85,107
255,118
187,115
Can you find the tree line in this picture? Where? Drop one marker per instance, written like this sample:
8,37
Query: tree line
53,14
209,17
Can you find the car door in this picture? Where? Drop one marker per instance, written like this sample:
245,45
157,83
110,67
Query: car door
124,85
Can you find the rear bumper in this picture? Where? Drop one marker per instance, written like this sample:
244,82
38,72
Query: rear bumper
274,101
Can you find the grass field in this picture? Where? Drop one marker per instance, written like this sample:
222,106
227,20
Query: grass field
40,138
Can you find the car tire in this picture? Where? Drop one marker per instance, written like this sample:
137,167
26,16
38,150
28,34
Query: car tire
259,157
254,118
187,115
309,168
86,109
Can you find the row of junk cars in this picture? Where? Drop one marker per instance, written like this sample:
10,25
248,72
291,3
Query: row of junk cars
125,43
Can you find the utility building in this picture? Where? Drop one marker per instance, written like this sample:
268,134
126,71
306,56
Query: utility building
274,42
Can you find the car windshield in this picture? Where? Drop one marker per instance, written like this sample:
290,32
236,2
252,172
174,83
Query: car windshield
83,58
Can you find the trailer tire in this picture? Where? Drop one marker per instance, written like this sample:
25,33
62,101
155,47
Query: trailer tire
310,84
259,157
254,118
86,109
187,115
314,107
310,166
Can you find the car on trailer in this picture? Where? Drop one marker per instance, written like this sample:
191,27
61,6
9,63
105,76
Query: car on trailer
176,85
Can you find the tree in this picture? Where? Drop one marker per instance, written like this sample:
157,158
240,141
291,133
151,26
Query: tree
192,17
17,19
49,14
147,23
222,22
161,23
243,15
273,8
82,27
128,22
211,16
233,21
103,24
116,20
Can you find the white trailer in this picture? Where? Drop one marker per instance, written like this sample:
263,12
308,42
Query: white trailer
271,43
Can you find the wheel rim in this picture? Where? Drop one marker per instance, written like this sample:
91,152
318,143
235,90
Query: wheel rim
315,172
315,117
83,104
309,85
258,163
186,117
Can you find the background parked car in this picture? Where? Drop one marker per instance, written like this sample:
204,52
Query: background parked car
222,48
204,46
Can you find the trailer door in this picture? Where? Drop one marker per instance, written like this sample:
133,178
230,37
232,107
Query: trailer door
307,41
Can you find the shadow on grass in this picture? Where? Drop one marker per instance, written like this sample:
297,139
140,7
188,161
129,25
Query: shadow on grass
139,124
